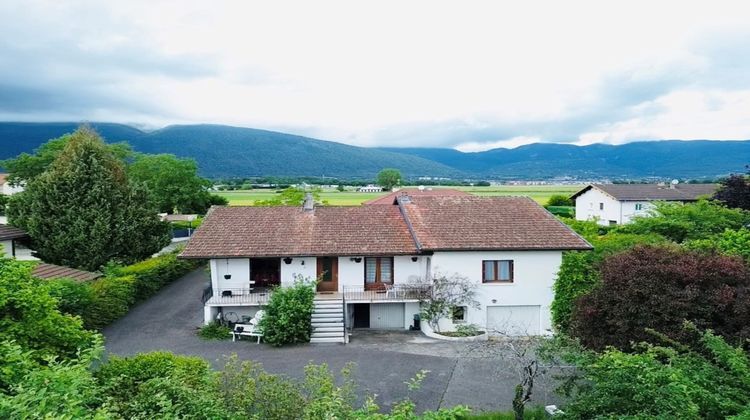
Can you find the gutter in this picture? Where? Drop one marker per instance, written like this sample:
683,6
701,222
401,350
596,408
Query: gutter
405,199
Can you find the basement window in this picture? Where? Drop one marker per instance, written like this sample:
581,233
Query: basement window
601,206
459,314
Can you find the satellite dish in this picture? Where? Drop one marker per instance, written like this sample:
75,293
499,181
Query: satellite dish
675,182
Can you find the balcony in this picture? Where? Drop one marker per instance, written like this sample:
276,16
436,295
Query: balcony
395,292
237,297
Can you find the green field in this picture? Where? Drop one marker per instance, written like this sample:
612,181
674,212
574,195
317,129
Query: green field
540,193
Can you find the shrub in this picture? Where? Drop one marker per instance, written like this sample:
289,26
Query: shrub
214,331
579,271
112,298
160,384
464,330
288,314
730,242
702,377
679,222
29,318
560,200
659,287
73,297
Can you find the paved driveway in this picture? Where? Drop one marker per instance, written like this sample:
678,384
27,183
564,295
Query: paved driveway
168,321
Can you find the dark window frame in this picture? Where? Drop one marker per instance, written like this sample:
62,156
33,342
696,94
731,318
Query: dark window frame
497,271
462,320
601,206
378,283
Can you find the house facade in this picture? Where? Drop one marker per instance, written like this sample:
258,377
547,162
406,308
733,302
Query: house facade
375,264
616,204
6,188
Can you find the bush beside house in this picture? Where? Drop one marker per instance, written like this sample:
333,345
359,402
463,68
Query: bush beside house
288,314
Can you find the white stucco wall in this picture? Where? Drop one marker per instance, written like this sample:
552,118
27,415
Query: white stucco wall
239,268
629,209
7,189
304,266
587,207
404,271
533,276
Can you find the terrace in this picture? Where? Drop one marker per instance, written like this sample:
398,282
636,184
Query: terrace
351,294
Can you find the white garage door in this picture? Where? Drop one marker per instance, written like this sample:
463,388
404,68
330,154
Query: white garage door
514,320
387,315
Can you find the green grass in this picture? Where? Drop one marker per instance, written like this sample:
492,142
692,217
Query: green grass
540,193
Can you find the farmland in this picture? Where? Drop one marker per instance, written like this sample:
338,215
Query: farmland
540,193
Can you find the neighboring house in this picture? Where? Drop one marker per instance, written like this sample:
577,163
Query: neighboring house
615,204
51,271
370,189
376,262
414,193
10,239
6,188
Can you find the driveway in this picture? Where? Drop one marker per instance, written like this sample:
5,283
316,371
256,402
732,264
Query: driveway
384,360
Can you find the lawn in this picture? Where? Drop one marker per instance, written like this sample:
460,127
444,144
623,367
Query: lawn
540,193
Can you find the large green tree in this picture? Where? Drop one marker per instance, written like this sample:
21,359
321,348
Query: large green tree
25,167
389,178
83,212
173,183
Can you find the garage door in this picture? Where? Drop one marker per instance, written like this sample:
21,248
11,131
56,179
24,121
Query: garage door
387,315
514,320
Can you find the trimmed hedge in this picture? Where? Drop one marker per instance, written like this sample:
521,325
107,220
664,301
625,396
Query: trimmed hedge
107,299
153,274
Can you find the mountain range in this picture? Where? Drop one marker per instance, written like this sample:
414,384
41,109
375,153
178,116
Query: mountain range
225,151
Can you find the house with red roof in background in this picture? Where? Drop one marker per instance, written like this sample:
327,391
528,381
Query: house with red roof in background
375,262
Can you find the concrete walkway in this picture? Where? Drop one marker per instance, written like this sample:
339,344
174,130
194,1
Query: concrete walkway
384,360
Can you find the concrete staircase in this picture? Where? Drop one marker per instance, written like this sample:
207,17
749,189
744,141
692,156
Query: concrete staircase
328,321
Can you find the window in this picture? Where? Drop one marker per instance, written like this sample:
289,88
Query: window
601,206
378,270
638,207
497,271
459,314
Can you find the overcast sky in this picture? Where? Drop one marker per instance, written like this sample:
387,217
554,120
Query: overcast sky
466,74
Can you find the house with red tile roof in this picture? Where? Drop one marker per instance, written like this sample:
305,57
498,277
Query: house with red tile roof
616,204
390,199
374,263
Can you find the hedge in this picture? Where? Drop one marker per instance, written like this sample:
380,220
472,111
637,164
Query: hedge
112,296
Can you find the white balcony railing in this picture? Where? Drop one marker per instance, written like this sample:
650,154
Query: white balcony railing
395,292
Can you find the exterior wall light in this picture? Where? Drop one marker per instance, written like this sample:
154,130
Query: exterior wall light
414,259
287,260
227,276
356,259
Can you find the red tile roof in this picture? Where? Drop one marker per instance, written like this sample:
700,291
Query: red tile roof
3,177
649,192
415,192
52,271
488,223
439,223
290,231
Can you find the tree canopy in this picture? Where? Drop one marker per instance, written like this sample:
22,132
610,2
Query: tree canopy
389,178
735,192
173,183
83,212
25,167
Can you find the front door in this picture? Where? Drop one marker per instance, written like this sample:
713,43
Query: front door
328,274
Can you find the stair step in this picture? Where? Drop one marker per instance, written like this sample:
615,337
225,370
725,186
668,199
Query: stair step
328,305
339,324
329,319
328,328
327,340
328,334
328,301
328,311
327,314
339,307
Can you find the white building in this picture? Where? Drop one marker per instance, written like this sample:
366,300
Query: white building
615,204
370,189
375,262
6,188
